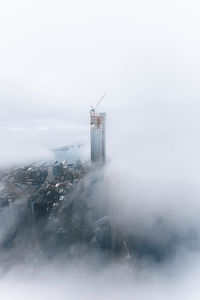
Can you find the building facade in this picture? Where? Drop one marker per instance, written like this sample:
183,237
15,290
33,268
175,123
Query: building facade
98,143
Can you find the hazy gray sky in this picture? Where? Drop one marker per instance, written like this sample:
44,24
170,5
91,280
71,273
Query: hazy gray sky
58,57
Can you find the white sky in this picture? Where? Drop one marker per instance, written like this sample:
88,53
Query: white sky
58,57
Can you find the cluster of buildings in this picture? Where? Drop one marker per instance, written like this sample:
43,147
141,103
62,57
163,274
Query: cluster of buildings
55,203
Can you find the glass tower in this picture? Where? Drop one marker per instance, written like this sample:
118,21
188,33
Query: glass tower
97,129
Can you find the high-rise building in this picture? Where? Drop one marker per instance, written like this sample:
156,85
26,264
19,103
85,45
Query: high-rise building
98,145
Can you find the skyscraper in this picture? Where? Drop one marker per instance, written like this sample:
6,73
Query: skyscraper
97,129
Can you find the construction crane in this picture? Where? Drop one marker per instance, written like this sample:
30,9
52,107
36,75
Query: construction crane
99,102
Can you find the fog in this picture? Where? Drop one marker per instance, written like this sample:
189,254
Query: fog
77,283
57,59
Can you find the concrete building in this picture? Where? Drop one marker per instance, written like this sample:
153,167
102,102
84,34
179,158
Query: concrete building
98,144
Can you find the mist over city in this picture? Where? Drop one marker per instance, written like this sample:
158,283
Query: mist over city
99,156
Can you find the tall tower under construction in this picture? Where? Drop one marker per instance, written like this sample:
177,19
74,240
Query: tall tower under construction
98,144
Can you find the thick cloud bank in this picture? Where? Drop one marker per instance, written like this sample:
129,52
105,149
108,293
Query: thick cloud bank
57,58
